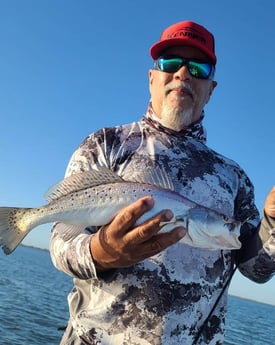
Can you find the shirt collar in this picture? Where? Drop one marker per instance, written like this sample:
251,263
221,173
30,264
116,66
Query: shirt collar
195,130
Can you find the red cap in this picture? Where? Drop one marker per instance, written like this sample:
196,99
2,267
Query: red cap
186,33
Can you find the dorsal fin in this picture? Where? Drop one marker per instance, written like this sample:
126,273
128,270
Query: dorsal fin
80,181
155,176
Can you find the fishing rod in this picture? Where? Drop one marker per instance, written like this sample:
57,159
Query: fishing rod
202,327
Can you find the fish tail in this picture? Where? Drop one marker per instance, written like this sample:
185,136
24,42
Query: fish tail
13,228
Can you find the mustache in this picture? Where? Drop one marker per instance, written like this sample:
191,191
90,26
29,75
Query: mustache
186,88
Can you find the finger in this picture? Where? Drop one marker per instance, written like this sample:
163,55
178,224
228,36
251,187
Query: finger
160,242
270,203
128,216
148,229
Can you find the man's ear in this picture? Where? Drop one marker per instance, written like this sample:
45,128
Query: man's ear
150,77
214,84
211,89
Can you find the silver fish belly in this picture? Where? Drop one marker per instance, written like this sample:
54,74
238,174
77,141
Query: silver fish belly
75,201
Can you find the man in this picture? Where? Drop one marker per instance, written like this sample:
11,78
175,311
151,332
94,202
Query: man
134,285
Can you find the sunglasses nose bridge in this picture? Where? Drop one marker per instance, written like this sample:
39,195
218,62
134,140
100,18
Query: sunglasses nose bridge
183,72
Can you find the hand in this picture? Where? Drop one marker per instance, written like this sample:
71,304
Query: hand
119,244
270,203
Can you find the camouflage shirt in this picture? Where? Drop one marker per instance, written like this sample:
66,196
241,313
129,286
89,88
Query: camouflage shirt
166,298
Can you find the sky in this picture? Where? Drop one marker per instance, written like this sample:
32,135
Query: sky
68,68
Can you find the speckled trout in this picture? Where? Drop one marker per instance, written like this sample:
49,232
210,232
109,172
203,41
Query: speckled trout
93,198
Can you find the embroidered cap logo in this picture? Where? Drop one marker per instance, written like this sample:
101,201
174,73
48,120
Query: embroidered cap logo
187,32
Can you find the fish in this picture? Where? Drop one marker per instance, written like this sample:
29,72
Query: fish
94,197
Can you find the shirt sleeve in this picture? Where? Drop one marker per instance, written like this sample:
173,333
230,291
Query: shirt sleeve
256,258
70,251
267,234
257,261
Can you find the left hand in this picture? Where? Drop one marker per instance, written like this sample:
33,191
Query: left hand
270,203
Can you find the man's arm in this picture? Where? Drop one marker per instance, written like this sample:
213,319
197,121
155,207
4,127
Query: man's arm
257,259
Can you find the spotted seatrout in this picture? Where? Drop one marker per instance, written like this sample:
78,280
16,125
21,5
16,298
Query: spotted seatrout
93,198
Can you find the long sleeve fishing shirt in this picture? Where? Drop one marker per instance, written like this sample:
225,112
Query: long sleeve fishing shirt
168,298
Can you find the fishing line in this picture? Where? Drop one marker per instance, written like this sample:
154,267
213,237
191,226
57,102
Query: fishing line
214,307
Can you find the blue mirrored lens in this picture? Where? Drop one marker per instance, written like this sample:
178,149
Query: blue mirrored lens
170,65
199,70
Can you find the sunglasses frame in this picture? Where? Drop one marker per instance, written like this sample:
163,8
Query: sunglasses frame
185,62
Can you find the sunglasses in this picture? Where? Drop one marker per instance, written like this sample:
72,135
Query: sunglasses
197,69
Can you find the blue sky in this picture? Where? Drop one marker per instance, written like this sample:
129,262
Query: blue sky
68,68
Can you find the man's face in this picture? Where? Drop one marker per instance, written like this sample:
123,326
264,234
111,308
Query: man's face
178,98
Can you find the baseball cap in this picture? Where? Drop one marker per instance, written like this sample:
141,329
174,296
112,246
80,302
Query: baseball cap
186,33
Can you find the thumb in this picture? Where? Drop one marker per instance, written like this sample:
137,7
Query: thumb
270,203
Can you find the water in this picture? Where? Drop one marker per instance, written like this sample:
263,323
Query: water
33,305
32,298
250,323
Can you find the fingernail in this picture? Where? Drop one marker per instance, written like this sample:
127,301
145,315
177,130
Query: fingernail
168,214
182,232
149,200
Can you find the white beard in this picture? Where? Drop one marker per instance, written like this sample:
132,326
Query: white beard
180,116
175,118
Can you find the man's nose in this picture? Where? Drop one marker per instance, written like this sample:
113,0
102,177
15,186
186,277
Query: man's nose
182,74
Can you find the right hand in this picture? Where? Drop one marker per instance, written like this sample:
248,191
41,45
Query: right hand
270,203
122,244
